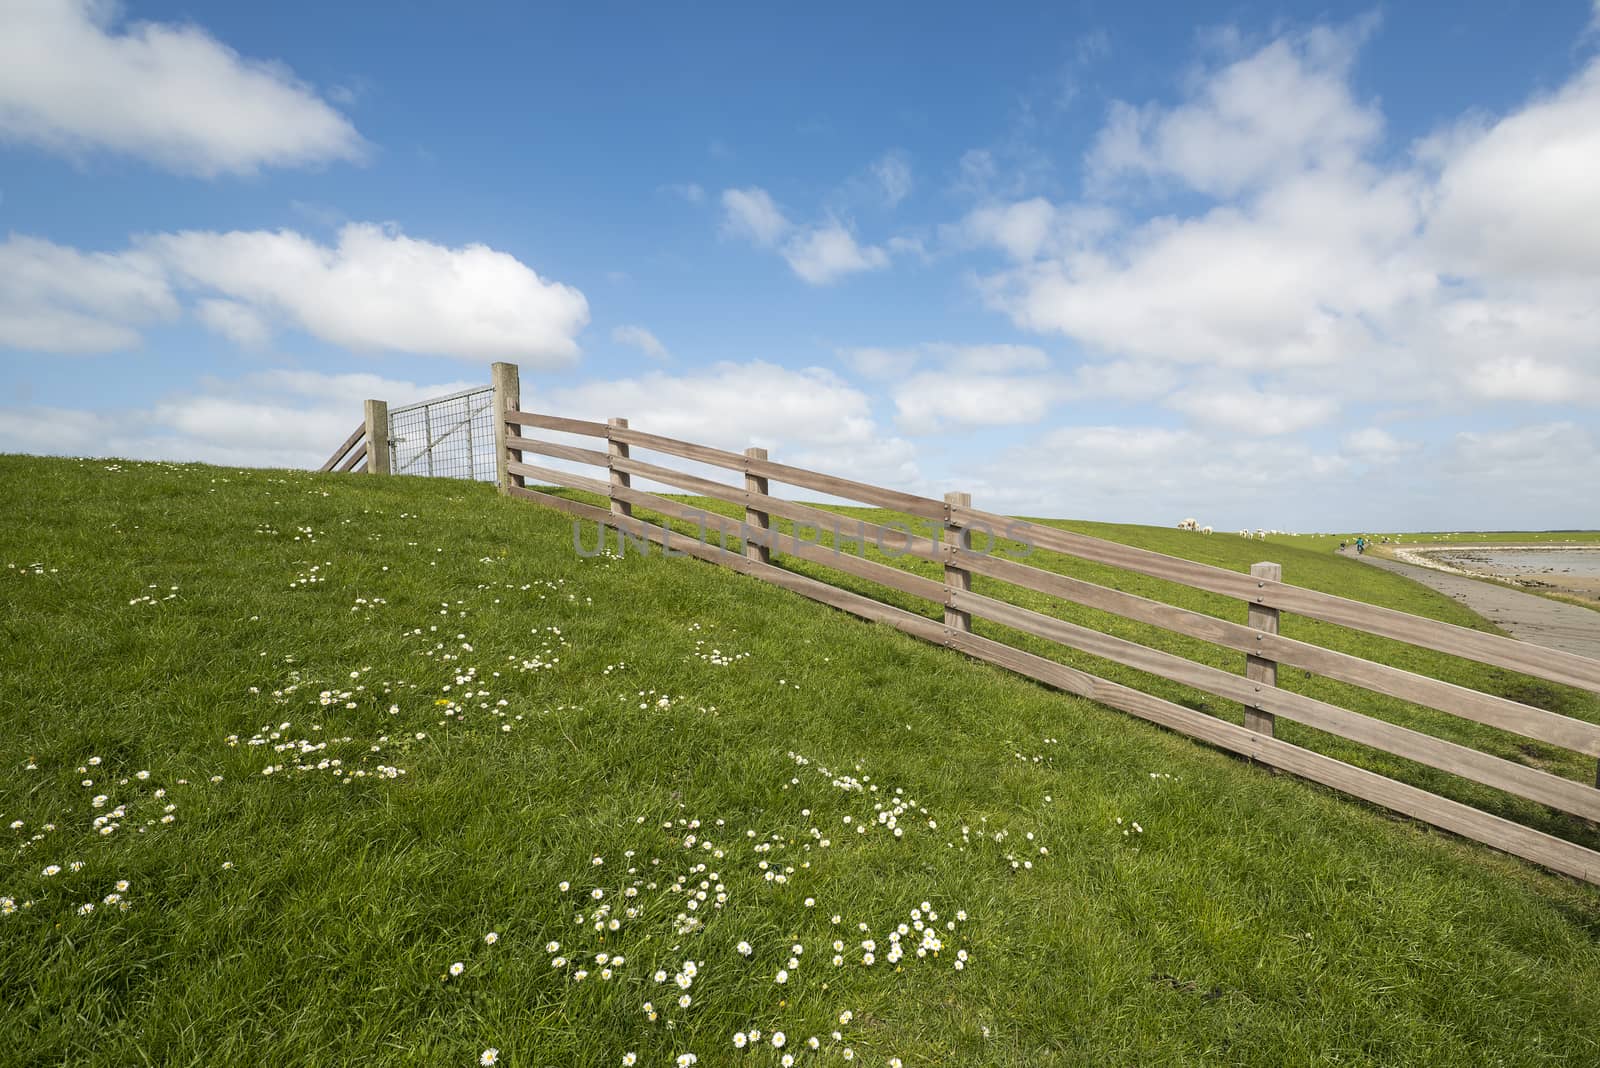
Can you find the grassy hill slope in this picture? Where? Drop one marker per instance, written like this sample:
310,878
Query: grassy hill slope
392,716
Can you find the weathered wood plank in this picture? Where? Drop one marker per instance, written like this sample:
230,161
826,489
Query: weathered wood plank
377,430
574,453
1501,712
672,477
357,457
1259,669
505,381
1551,664
756,549
618,479
551,477
1502,834
688,450
843,528
556,422
1580,799
925,507
871,570
955,576
577,508
349,443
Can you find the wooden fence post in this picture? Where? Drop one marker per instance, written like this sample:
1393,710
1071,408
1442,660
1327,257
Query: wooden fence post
618,478
753,518
377,413
507,398
956,578
1258,669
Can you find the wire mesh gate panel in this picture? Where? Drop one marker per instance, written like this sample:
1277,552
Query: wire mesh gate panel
445,437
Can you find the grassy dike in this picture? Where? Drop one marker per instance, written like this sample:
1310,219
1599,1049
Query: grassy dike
388,718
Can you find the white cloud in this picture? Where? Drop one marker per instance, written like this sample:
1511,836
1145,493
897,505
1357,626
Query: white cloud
643,340
237,322
824,254
1539,473
375,290
1123,380
1154,474
880,362
991,359
1021,229
269,419
1301,255
929,403
893,174
1286,109
1247,412
752,215
1522,378
58,299
818,254
73,80
809,417
1520,196
1376,445
378,290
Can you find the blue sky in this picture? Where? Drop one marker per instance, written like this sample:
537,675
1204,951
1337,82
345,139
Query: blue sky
1270,265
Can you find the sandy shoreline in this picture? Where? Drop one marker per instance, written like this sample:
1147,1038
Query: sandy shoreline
1468,560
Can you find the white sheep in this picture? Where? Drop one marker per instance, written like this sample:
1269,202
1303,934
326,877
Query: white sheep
1205,530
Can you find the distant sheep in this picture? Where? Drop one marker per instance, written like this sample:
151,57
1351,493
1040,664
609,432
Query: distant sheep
1205,530
1189,524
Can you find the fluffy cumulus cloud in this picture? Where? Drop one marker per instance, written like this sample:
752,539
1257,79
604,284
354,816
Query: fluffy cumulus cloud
75,79
374,290
271,418
928,403
58,299
819,253
1294,254
377,290
826,253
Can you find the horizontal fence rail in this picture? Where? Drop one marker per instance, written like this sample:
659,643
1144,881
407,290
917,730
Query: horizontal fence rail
955,520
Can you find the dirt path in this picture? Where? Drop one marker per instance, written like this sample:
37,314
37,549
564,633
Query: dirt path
1538,620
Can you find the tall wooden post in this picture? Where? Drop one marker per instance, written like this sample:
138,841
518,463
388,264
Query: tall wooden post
377,415
754,518
616,449
958,579
507,398
1259,669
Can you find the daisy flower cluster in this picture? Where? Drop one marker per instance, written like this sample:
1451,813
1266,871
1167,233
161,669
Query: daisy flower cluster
160,595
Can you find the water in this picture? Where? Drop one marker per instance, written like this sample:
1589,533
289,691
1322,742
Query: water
1577,563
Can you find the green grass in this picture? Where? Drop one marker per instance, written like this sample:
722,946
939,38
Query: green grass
310,917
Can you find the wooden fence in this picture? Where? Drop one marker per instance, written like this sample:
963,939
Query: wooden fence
1263,591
